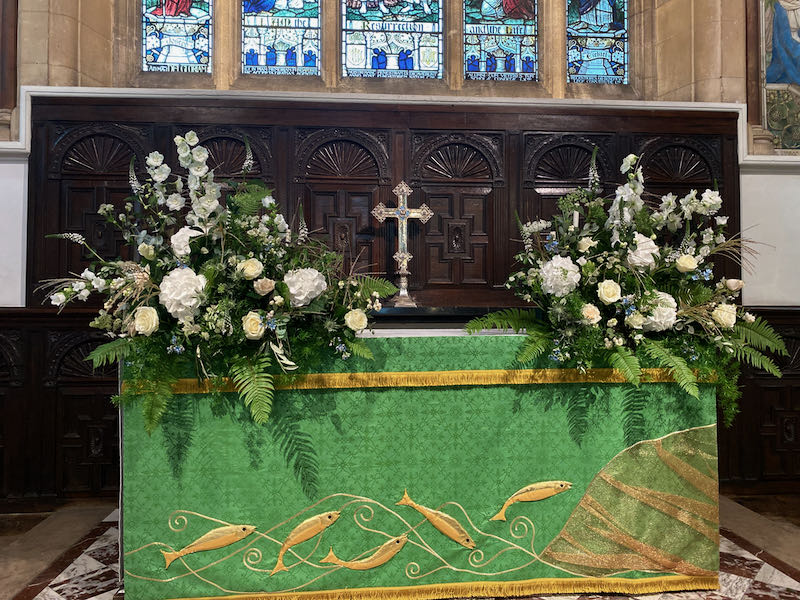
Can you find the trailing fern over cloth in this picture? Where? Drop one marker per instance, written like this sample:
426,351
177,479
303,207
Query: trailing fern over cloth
435,470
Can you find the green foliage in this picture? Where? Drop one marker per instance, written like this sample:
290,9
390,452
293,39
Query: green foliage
533,346
369,285
255,384
248,197
678,368
359,348
625,361
634,401
178,425
516,319
728,390
154,402
111,352
578,414
760,335
756,359
298,451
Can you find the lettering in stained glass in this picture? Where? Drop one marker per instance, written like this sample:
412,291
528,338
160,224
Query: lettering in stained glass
176,35
500,40
280,37
392,38
597,41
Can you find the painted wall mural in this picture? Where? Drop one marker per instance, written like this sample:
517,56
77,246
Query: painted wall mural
781,69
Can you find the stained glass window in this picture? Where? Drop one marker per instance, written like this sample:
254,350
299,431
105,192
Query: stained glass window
176,35
597,41
280,37
392,38
500,40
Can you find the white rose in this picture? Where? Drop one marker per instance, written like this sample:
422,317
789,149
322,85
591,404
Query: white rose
191,138
356,319
590,314
200,154
146,251
304,285
663,315
734,285
58,299
608,291
253,325
182,293
645,254
686,263
635,320
725,315
250,268
145,320
180,240
155,159
160,173
263,286
175,202
560,276
585,243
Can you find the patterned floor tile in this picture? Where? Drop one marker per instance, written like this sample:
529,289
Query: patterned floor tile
765,591
739,565
87,585
48,594
771,575
81,566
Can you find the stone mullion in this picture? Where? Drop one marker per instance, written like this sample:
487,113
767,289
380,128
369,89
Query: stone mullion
553,46
331,43
453,38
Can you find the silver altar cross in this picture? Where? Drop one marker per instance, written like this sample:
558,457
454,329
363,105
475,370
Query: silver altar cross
402,213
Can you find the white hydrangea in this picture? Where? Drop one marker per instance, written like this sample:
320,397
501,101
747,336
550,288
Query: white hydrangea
559,276
182,293
645,254
304,285
662,314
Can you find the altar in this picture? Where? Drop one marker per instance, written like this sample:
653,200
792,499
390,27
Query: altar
442,468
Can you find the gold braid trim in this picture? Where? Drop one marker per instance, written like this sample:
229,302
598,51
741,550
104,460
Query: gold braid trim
328,381
494,589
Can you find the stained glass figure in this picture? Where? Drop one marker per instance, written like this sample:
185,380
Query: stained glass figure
597,41
176,35
280,37
392,38
500,40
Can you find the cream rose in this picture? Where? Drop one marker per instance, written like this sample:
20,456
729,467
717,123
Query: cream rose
182,293
590,314
147,251
608,291
253,325
585,244
145,320
644,257
304,285
734,285
725,315
250,268
686,263
635,320
263,286
356,319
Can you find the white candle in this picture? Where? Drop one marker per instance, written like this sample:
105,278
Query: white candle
575,217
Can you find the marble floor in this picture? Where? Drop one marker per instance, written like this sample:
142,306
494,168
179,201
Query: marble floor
746,572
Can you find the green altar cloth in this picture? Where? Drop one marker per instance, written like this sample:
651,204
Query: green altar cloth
383,482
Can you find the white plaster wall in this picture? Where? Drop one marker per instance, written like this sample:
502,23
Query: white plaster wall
13,230
770,214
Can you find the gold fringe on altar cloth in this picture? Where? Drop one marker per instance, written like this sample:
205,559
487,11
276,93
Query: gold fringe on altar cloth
505,589
313,381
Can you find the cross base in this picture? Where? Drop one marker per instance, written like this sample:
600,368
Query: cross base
403,299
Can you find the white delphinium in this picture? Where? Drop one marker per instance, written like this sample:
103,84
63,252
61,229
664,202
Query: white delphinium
175,202
559,276
710,203
627,163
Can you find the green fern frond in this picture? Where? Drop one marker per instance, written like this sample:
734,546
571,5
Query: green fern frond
110,352
625,361
360,349
678,368
516,319
178,425
248,197
369,285
298,452
756,359
578,414
533,346
760,335
154,403
255,384
634,401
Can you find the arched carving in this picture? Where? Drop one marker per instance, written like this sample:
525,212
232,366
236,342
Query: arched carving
12,368
336,152
66,358
457,156
97,149
227,151
678,164
562,161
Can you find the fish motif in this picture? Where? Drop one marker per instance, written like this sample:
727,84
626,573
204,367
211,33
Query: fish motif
381,556
306,530
214,539
534,491
442,521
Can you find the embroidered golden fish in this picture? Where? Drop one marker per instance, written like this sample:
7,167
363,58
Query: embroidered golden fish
442,521
309,528
535,491
216,538
381,556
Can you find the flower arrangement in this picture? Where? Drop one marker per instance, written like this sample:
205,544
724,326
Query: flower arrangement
630,280
229,287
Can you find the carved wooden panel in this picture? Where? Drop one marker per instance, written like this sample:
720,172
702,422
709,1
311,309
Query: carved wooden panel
227,149
341,154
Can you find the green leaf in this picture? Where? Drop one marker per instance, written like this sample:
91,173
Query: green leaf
625,361
255,384
516,319
359,348
178,425
368,285
533,346
154,403
758,360
634,401
298,452
578,414
678,368
110,352
760,334
248,197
